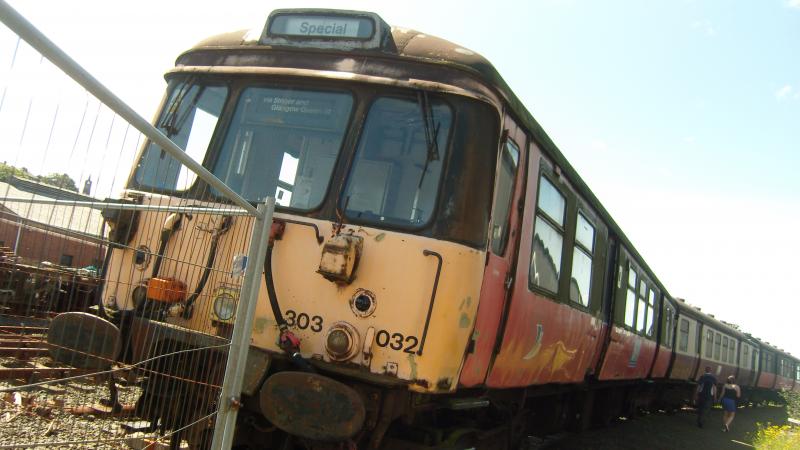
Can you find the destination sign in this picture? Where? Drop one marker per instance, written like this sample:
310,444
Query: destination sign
318,26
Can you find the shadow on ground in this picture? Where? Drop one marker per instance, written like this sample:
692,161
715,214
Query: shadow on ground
676,431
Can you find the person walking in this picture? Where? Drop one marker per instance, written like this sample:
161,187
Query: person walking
730,396
705,395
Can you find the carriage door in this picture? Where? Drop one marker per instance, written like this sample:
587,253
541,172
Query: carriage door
502,250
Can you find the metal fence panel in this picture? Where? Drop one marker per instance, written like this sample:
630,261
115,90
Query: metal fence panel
124,315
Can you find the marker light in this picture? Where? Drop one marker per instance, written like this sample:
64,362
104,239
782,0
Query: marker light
224,306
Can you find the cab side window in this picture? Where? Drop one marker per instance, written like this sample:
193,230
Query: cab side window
503,195
548,239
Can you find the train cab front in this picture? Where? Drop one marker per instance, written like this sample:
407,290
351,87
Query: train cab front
383,184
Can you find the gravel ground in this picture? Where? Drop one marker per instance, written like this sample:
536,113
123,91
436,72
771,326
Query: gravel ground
677,431
41,415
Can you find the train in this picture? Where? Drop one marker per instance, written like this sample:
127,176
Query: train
438,275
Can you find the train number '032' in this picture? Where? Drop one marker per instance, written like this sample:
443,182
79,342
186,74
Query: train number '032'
303,321
396,341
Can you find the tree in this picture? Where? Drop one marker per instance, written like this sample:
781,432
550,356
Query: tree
60,180
8,171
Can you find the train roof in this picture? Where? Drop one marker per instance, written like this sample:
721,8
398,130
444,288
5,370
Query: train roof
709,319
412,45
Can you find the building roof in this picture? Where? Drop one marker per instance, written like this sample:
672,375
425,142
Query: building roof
77,219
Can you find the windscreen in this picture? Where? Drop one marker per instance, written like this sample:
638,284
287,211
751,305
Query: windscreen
284,143
398,164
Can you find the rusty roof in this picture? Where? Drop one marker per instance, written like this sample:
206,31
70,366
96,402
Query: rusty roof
413,45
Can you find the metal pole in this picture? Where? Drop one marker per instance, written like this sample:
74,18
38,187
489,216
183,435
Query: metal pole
13,20
242,327
128,206
19,234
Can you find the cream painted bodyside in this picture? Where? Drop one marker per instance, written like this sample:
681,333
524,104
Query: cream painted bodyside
392,266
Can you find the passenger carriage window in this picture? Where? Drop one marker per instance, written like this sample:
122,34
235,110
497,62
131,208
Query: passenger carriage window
724,349
651,309
503,195
581,281
732,351
630,299
548,237
668,324
641,316
745,356
683,337
284,143
717,346
395,176
709,343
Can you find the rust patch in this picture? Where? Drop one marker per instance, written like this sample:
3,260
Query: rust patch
412,362
464,321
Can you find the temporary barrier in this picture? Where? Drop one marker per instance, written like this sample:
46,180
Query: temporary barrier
124,315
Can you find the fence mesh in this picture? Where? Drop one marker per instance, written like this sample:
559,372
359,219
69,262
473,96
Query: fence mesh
117,306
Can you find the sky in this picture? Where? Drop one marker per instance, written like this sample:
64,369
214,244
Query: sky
682,116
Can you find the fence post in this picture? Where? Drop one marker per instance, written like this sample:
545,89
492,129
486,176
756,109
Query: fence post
242,328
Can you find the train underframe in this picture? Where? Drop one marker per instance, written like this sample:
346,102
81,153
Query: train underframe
177,395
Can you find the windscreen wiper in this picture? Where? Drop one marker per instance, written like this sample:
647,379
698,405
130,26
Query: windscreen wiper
431,130
171,123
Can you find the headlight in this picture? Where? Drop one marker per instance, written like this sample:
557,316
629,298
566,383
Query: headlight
224,306
342,341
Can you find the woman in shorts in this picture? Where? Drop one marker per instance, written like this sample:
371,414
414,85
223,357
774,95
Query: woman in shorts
730,393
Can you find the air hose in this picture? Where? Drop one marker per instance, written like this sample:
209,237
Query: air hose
286,340
223,228
171,225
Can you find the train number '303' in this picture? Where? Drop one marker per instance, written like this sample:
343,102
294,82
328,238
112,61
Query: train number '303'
303,321
396,341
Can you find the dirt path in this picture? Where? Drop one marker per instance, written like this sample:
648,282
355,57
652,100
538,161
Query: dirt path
676,431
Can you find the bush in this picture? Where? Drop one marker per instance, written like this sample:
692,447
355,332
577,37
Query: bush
792,400
776,437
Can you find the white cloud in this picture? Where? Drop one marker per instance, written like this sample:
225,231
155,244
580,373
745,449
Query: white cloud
793,3
707,27
785,91
598,145
689,139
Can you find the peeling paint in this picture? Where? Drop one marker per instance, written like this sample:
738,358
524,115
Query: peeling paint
260,324
464,321
412,362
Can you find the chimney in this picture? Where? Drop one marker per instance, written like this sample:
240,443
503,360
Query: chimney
87,186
